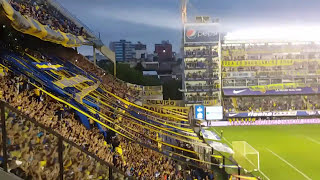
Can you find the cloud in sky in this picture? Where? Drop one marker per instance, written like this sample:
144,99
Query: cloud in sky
151,21
157,18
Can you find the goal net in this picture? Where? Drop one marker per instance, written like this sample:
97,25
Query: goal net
246,156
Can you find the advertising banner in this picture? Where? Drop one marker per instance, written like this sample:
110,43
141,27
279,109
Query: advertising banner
168,109
214,113
261,122
248,63
135,86
243,74
152,88
201,33
210,102
150,93
253,92
165,102
199,112
273,114
152,97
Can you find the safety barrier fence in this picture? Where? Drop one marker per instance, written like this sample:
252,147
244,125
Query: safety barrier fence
62,149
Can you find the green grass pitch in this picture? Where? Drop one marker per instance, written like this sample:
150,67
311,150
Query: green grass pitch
287,152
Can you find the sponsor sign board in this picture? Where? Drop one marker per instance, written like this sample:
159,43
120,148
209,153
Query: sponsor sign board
135,86
201,33
239,74
152,88
152,97
251,92
168,109
248,63
199,112
261,122
165,102
273,114
214,113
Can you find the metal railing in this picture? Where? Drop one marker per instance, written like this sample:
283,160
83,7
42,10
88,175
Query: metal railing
61,150
16,128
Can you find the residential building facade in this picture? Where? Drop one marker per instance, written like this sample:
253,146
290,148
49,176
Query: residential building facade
124,50
164,51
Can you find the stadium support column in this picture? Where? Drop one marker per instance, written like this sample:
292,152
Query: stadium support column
110,173
94,56
220,69
4,137
115,68
60,158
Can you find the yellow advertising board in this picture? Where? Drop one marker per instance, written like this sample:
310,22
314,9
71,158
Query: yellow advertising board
248,63
165,102
264,88
152,88
168,109
210,102
242,119
150,93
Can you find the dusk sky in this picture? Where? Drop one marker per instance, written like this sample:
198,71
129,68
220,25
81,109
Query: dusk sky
151,21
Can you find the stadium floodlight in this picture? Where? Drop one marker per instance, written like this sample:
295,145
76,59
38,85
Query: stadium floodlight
246,156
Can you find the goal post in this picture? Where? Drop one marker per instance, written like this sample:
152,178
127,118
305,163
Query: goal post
246,156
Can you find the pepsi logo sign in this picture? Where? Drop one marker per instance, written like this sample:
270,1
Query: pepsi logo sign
191,33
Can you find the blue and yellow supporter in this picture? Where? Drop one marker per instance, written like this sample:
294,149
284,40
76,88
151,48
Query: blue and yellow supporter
47,71
33,27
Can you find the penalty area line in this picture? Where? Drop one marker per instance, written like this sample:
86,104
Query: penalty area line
245,157
313,140
289,164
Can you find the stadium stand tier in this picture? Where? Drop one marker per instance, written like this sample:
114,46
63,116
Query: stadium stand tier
62,91
46,14
270,77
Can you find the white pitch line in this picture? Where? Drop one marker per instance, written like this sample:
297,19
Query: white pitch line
222,137
258,169
264,175
249,161
289,164
313,140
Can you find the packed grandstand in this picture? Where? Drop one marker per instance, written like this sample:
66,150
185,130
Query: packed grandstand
61,90
66,118
257,77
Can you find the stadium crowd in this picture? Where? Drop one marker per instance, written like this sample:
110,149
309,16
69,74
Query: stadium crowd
130,157
202,87
111,83
200,97
202,75
46,14
262,52
196,65
272,103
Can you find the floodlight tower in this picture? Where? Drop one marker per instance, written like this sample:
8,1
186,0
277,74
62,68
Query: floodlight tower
184,4
184,19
